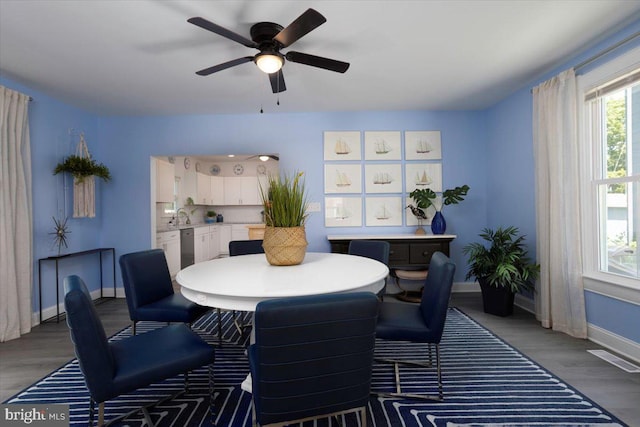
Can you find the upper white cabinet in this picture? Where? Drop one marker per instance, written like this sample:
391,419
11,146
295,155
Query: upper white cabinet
217,190
189,186
165,178
241,191
203,189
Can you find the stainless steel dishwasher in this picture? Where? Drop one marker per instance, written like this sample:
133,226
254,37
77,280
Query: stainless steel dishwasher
187,253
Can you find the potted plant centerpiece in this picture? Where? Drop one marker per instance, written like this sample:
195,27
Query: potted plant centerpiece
502,269
423,199
285,214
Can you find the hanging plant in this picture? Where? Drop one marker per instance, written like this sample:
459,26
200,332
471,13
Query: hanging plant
81,167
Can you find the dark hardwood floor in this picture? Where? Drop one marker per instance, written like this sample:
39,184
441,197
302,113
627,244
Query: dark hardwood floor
47,347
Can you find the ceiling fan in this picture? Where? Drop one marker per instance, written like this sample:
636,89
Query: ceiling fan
269,38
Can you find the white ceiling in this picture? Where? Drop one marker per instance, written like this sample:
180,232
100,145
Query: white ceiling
139,57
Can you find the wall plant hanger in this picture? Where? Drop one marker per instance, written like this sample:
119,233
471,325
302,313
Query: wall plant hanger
84,170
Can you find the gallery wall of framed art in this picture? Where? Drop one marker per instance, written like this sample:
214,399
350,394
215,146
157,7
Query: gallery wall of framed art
368,175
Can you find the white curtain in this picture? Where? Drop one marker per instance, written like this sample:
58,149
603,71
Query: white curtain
16,259
560,292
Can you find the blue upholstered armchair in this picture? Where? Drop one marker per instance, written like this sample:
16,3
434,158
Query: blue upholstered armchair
312,357
114,368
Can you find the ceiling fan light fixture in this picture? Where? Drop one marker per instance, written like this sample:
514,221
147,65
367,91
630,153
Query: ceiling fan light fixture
269,62
264,158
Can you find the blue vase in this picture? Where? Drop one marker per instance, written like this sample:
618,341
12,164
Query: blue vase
438,224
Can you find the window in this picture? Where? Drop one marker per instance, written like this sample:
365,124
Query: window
612,183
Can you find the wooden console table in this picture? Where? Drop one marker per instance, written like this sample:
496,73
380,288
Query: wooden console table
407,251
57,258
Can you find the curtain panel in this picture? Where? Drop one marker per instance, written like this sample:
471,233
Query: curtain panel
560,291
16,261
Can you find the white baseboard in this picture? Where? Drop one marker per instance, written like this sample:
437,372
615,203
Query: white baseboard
49,312
616,343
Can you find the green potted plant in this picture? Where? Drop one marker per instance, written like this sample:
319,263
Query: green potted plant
285,213
425,197
502,269
82,167
210,217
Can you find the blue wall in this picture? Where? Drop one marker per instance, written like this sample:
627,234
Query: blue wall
510,179
127,143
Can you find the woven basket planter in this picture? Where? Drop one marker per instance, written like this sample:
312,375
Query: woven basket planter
284,245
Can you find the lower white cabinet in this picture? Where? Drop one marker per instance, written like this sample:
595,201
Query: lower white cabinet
169,242
239,232
201,244
214,242
225,238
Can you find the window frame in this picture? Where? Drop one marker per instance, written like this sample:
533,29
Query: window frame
595,280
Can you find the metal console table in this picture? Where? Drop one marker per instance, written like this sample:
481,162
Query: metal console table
57,258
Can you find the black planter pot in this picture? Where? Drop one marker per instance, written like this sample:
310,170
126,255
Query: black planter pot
496,301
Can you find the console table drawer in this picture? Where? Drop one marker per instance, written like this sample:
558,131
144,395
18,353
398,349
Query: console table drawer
398,254
420,253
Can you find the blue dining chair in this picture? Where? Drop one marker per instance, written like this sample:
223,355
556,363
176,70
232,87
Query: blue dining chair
111,369
374,249
149,290
312,357
422,323
245,247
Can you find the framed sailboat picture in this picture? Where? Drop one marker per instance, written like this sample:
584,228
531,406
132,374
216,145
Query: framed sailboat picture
382,145
342,178
423,175
383,178
383,211
422,145
343,212
342,145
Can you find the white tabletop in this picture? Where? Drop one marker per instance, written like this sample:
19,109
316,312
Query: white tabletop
241,282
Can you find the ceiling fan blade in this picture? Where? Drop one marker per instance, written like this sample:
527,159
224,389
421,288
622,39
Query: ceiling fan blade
277,82
308,21
215,28
318,61
224,66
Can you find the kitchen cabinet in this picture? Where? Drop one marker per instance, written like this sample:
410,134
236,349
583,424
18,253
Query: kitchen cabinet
169,242
214,242
189,186
165,178
225,238
241,191
239,232
201,244
203,189
217,190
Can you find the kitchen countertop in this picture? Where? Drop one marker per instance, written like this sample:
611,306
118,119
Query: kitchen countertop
204,224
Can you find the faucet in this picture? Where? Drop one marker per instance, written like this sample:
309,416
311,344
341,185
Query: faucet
184,212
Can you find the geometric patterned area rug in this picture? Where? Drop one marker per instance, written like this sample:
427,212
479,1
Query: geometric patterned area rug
486,383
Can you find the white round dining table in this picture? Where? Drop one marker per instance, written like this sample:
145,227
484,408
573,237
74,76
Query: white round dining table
241,282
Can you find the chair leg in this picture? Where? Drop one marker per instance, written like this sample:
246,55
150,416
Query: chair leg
396,366
212,412
133,326
101,414
92,405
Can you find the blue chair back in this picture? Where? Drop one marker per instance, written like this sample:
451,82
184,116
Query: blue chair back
87,333
436,294
245,247
312,355
146,278
374,249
